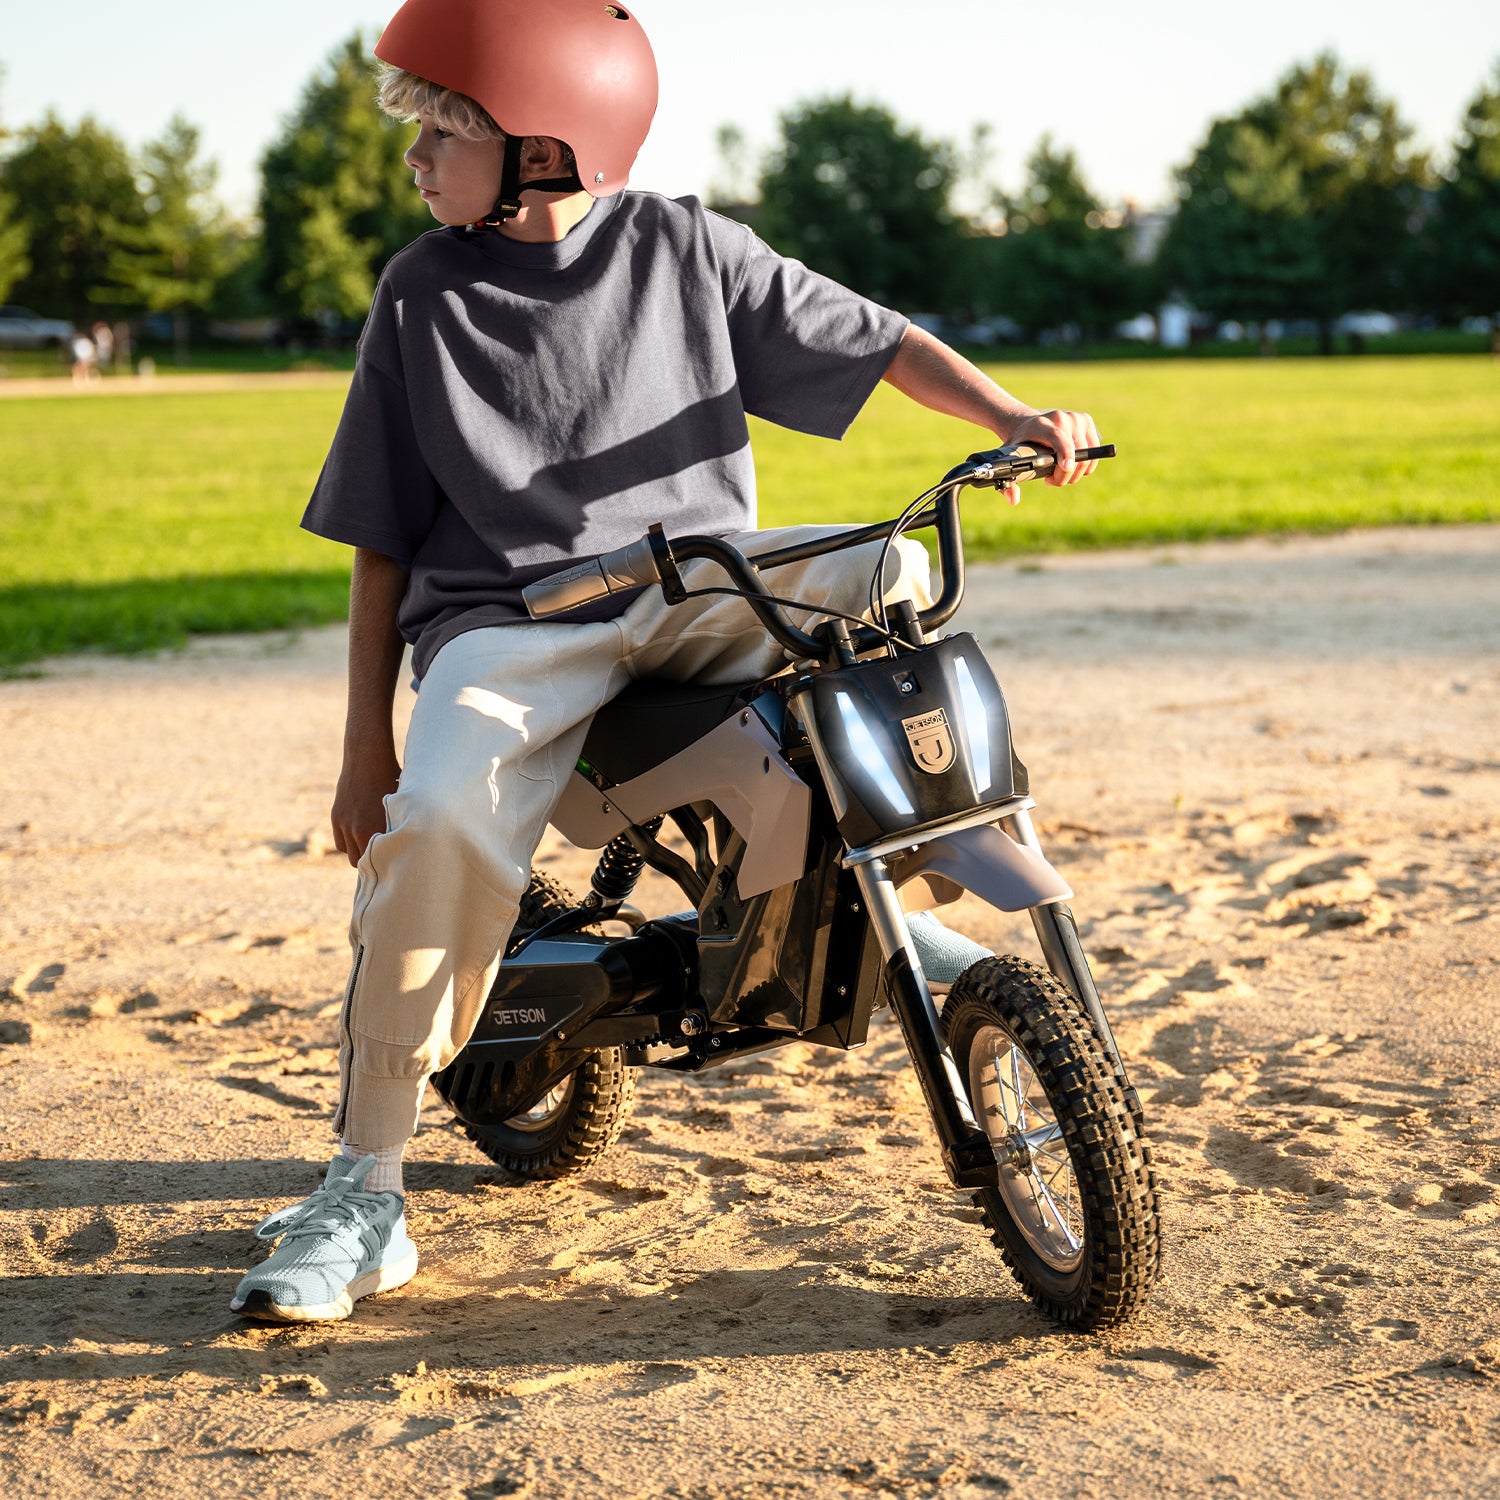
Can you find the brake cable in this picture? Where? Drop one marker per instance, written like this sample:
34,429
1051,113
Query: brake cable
877,601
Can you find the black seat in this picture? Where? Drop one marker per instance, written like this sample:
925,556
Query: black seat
651,720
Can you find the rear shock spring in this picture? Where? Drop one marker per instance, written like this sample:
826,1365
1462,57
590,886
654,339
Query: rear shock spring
620,866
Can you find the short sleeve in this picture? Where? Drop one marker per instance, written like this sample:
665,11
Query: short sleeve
807,351
375,490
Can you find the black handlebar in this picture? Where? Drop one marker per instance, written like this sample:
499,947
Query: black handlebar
654,559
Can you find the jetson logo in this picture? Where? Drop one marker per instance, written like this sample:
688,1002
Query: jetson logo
931,741
530,1016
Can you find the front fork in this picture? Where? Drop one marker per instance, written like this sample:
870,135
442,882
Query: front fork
968,1155
1057,934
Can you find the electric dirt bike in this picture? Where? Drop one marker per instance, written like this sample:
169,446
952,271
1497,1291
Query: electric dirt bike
824,810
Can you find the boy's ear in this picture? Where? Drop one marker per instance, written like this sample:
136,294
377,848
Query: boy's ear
541,156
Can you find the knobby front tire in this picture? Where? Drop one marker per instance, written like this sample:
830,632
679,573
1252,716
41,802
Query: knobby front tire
1076,1214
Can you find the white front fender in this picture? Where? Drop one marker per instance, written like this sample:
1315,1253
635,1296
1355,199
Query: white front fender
986,861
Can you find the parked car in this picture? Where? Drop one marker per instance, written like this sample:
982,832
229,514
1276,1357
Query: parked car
20,328
1140,329
988,332
1367,324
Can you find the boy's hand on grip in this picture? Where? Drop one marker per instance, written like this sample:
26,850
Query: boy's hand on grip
1062,432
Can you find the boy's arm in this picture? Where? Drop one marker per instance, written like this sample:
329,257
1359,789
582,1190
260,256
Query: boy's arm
370,770
931,373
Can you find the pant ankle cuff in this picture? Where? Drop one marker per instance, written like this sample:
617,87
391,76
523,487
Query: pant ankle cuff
380,1113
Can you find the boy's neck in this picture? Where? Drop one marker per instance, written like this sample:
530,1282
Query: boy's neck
546,218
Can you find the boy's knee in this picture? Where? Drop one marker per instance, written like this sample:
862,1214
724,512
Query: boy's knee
905,574
908,573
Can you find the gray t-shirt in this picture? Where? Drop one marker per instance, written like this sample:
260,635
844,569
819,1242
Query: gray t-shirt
517,408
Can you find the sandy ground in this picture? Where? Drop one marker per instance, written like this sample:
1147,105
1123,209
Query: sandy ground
169,381
1271,773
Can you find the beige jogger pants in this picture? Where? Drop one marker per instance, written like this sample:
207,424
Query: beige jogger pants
497,728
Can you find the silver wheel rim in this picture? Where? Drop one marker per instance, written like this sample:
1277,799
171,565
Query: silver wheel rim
545,1111
1038,1182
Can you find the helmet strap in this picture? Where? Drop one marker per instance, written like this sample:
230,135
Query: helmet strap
508,205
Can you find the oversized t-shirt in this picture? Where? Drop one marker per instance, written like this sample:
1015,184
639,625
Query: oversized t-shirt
517,408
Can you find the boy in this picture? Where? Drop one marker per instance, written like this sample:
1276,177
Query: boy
560,366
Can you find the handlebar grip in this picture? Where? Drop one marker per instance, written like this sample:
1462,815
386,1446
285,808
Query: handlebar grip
1017,462
612,573
1046,460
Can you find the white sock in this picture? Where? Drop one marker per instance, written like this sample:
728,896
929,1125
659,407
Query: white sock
385,1175
945,954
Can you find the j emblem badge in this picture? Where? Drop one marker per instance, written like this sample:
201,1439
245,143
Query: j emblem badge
931,741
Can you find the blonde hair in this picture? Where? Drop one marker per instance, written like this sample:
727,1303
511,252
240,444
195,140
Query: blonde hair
403,95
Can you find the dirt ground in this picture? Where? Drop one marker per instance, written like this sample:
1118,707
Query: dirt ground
169,381
1270,771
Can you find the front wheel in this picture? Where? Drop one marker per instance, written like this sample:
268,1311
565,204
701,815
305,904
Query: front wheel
1075,1214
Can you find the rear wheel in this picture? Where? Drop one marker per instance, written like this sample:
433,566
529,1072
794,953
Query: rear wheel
568,1128
577,1119
1075,1214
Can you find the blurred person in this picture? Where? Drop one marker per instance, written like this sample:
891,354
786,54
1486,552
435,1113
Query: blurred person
85,358
561,364
104,345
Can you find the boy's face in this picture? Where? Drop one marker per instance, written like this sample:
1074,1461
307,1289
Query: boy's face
459,179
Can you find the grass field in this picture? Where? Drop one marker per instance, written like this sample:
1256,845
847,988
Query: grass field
219,358
132,522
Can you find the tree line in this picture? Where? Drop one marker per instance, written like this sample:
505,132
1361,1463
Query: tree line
88,229
1308,202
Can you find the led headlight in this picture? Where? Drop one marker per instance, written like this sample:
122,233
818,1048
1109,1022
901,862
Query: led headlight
976,726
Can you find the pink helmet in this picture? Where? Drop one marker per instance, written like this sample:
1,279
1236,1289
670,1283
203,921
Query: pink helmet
580,71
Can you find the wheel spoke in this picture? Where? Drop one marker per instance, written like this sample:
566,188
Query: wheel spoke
1072,1240
1042,1195
1058,1164
1001,1086
1015,1073
1069,1185
1043,1135
1061,1172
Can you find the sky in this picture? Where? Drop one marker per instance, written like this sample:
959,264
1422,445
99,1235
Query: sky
1131,88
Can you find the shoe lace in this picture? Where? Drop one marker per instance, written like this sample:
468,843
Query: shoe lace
336,1205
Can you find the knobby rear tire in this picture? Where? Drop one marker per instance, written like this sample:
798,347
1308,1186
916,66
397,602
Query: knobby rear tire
586,1122
1108,1277
590,1105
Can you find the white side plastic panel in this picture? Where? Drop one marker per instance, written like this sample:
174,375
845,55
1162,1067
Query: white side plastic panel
738,767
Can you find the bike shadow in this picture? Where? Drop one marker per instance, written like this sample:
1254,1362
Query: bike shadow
181,1325
165,1314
